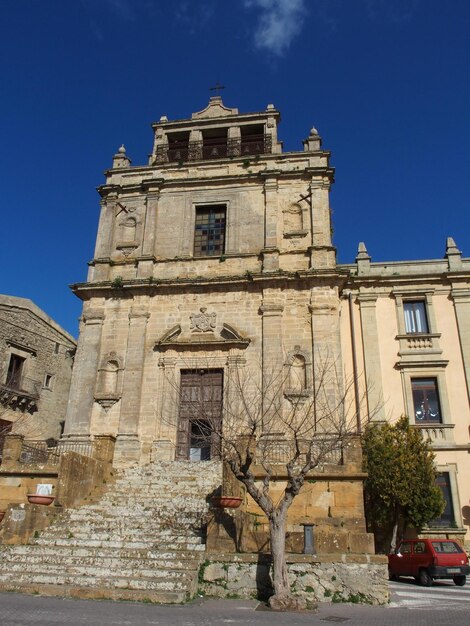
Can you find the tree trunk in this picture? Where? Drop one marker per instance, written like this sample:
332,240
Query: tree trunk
282,600
277,528
396,522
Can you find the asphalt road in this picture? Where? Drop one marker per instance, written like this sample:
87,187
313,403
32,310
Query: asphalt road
24,610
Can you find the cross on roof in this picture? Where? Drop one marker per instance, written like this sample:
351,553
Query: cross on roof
217,87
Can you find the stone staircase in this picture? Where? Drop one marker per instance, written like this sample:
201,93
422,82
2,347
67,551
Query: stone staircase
140,541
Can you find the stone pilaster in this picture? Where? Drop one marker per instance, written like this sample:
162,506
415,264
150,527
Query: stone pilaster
127,450
461,299
104,238
371,348
273,358
322,253
163,448
147,259
326,351
271,224
132,385
82,388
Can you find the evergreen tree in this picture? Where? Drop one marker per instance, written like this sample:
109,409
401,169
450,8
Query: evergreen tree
401,485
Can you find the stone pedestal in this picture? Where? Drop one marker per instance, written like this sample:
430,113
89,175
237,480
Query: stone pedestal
103,448
12,450
162,450
127,450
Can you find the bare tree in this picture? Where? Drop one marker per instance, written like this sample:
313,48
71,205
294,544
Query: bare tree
274,424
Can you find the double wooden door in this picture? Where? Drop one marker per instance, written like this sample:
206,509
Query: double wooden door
200,414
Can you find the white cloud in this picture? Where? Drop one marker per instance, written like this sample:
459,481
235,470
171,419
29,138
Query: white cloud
279,22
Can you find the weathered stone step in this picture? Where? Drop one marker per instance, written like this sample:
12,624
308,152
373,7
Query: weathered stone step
88,521
115,563
103,532
116,582
152,542
81,552
138,541
99,571
77,591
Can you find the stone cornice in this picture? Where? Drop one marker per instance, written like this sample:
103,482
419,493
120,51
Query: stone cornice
153,286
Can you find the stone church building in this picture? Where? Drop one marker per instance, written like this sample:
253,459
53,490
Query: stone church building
218,255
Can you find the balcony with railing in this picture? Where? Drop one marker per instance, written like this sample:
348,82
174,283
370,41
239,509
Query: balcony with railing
49,452
324,450
20,392
214,148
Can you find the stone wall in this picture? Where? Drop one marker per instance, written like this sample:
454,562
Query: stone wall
47,350
329,578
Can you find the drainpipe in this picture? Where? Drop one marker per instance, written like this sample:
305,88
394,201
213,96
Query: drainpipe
354,358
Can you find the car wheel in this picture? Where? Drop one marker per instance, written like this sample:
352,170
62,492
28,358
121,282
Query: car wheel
460,580
392,576
424,578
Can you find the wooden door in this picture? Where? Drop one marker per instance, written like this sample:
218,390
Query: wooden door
200,414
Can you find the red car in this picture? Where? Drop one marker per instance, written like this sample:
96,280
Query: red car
427,559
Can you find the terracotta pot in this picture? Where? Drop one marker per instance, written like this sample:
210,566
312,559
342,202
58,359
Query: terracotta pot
2,515
226,502
34,498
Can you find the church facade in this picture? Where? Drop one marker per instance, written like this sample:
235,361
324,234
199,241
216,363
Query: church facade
217,255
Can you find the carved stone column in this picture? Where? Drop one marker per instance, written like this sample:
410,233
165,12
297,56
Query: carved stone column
127,444
461,299
82,387
371,348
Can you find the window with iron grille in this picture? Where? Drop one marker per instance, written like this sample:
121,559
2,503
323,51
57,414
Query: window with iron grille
209,235
426,403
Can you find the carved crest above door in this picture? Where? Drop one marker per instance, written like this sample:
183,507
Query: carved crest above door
202,322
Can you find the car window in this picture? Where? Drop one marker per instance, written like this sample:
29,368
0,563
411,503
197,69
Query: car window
420,547
405,548
446,547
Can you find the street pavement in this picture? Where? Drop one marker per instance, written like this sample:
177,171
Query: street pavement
443,595
444,604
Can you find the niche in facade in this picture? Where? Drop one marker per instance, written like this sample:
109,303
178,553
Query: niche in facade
109,381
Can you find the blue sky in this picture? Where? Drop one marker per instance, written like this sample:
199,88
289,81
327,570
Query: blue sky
386,83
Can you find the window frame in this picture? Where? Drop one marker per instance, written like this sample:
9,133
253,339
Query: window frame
451,470
48,382
423,371
413,314
211,208
416,380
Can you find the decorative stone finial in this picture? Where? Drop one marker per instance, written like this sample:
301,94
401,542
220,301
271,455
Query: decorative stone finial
362,250
313,141
270,107
120,159
362,259
453,255
163,118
